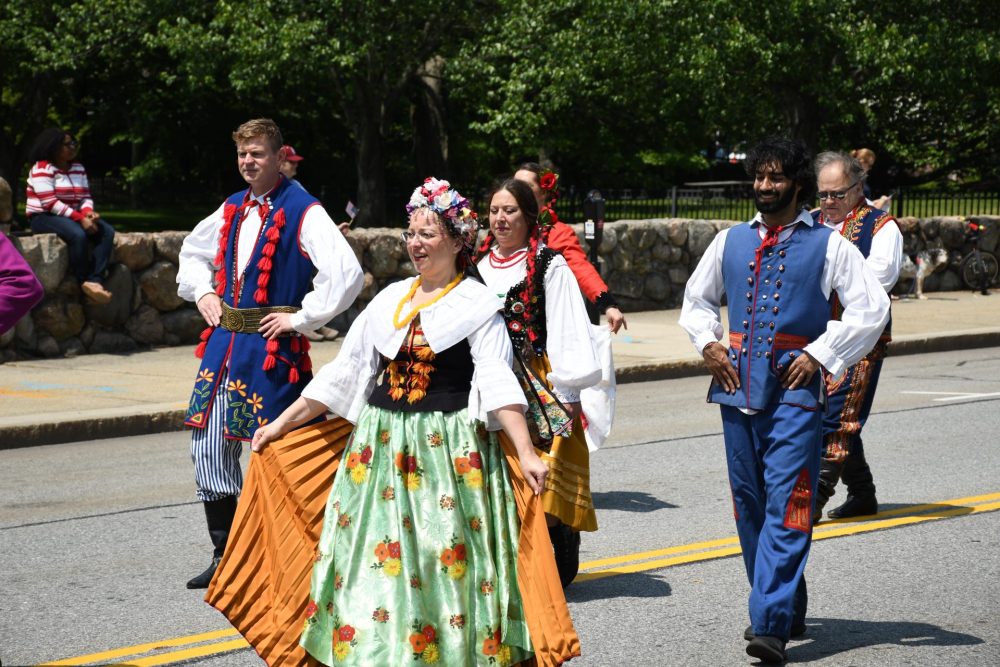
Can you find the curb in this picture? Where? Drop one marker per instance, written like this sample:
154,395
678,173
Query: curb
161,421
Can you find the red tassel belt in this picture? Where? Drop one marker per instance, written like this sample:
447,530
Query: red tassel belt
247,320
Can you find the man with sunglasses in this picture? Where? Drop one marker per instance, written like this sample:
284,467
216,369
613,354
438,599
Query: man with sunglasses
843,207
777,273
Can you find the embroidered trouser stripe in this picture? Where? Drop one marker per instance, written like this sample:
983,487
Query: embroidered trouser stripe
216,459
773,460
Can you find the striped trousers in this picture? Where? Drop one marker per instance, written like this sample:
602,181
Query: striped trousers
217,472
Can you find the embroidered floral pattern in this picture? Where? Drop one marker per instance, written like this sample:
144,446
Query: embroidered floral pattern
343,640
388,554
423,641
453,561
357,464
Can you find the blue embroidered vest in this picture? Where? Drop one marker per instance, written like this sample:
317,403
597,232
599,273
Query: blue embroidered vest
859,228
775,310
256,396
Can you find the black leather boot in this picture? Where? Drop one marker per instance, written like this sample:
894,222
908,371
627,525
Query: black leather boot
219,516
829,475
566,545
861,500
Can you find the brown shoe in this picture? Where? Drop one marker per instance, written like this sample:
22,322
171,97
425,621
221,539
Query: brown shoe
95,292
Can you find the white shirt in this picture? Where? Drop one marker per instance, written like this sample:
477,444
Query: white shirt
886,254
866,305
569,344
338,280
469,311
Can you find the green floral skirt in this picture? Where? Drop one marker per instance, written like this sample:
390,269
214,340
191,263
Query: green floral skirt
417,559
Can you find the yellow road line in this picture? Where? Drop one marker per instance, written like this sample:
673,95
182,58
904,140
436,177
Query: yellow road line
596,569
839,528
197,652
143,648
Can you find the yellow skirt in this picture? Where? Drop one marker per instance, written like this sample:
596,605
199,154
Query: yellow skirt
262,584
567,487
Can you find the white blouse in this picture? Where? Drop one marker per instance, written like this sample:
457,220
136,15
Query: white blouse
469,311
338,280
569,343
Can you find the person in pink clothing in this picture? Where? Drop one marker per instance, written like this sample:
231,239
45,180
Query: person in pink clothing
59,202
20,290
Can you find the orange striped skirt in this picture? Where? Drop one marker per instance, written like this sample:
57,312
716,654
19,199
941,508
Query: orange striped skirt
262,583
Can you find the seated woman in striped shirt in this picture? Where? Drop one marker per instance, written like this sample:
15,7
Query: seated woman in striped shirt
58,202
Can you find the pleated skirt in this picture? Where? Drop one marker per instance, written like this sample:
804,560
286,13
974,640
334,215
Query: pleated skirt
262,584
567,487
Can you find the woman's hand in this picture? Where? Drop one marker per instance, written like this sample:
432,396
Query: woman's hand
534,470
296,414
616,320
264,435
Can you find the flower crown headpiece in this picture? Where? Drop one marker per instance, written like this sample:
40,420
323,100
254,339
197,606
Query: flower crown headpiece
454,209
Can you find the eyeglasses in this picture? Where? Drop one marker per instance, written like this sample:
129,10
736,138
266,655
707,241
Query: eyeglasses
70,144
839,195
424,236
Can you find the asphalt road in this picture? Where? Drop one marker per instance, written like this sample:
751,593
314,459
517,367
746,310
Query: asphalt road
97,539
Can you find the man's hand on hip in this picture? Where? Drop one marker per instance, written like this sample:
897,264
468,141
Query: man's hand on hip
273,325
799,372
210,307
718,364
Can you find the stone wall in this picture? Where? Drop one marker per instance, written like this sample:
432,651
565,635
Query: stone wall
646,263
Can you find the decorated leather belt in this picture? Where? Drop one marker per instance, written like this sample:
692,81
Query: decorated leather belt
247,320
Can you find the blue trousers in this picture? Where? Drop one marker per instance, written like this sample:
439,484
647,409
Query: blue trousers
773,458
80,243
217,472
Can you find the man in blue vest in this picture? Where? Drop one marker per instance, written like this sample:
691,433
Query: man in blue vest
266,267
777,273
845,210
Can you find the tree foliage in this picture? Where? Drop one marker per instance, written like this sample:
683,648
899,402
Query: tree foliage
376,94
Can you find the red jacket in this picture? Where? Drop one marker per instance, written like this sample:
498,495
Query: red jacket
563,240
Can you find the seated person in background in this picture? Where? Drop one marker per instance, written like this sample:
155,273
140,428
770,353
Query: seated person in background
59,203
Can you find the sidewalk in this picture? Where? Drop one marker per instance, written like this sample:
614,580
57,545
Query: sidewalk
103,396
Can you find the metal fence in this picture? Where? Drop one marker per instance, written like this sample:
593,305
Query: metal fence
721,200
732,201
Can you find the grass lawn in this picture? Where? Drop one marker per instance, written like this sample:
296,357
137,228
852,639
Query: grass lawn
156,219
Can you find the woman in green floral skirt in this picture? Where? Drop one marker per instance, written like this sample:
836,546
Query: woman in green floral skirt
417,558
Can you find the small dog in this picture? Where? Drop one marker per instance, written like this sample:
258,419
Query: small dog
927,262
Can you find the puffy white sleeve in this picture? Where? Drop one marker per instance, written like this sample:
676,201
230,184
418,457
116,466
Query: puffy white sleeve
494,384
568,342
886,255
339,277
703,296
343,384
196,270
866,308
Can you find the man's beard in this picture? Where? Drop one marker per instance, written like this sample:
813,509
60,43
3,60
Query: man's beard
774,206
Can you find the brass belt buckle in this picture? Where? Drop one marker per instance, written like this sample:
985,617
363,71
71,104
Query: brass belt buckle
232,319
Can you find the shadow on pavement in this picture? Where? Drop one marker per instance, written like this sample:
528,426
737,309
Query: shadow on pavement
629,501
637,585
830,636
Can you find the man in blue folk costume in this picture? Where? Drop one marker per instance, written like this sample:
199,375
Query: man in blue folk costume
844,208
266,267
777,273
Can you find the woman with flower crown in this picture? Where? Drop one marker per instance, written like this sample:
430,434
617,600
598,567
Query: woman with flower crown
555,356
422,555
